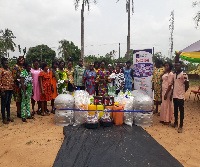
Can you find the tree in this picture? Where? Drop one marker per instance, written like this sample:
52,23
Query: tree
128,10
84,3
42,53
197,17
68,50
7,41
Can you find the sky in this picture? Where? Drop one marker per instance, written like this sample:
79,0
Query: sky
106,24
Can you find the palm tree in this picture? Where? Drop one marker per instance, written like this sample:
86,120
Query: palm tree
128,6
7,38
197,17
64,49
84,3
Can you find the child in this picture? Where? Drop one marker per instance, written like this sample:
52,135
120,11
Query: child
181,85
45,88
27,88
53,82
6,87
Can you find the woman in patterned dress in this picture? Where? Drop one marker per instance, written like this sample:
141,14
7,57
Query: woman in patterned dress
128,74
89,79
19,67
102,79
27,90
53,82
119,80
62,79
70,75
46,88
157,83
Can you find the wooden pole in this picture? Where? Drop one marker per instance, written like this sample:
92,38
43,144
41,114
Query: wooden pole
82,31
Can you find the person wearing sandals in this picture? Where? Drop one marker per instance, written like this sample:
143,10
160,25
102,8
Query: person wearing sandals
166,112
36,87
46,88
53,82
6,88
27,88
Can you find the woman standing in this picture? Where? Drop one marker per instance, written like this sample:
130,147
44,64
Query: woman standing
27,88
89,79
166,112
62,79
156,82
70,75
35,71
128,74
53,82
19,67
102,79
45,88
119,80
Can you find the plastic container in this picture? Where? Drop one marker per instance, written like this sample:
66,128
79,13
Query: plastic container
143,119
100,107
91,125
64,117
92,107
106,123
118,116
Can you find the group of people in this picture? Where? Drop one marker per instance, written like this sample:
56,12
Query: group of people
37,82
169,91
40,83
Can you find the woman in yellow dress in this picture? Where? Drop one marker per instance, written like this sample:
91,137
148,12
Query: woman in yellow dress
157,83
70,75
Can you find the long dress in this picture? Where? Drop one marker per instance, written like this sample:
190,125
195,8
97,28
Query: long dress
90,77
36,84
53,82
46,83
103,88
166,112
128,79
157,73
16,76
62,87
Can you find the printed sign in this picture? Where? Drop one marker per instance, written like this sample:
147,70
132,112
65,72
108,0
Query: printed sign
143,70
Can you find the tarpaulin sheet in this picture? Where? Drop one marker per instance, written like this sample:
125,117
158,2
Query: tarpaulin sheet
116,146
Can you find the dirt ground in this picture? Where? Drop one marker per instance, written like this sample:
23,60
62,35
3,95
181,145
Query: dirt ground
37,142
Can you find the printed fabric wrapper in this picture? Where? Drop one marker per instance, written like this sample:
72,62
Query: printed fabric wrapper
81,102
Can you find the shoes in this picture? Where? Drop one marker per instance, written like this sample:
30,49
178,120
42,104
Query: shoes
180,129
24,120
10,119
5,121
173,125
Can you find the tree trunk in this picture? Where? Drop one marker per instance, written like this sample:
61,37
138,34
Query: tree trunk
128,37
82,31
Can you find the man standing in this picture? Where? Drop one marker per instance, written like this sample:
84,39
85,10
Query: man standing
181,85
78,76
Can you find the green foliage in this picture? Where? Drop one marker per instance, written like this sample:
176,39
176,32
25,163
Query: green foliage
158,55
191,66
86,3
6,41
69,51
197,17
42,53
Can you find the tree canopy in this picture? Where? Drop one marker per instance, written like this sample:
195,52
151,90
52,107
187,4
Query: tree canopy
6,42
197,17
69,51
42,53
